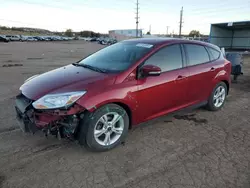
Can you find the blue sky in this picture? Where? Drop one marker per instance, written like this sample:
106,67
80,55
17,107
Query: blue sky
104,15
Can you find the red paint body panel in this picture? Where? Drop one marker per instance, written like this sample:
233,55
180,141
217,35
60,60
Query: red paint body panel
146,98
161,94
64,79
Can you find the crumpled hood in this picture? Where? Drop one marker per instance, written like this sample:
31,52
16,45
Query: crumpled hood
65,79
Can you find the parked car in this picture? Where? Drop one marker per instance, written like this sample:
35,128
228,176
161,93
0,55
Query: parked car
87,38
93,39
112,41
39,38
107,41
103,41
63,38
3,39
22,38
31,39
46,38
13,37
99,98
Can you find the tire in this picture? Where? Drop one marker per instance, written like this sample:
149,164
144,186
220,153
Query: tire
91,125
212,104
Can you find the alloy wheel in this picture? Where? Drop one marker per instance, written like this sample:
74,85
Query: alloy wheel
219,96
109,128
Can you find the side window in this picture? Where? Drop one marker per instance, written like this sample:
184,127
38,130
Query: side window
214,53
197,54
167,58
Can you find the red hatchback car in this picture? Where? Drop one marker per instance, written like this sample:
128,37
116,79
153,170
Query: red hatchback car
97,99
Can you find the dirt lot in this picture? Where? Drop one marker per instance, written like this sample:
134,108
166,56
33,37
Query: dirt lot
199,149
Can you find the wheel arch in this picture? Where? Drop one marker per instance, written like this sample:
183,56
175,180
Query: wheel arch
122,104
227,84
128,110
223,76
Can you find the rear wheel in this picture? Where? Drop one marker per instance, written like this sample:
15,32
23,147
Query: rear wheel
217,97
104,129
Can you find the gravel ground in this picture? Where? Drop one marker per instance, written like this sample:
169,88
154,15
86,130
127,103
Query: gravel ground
196,149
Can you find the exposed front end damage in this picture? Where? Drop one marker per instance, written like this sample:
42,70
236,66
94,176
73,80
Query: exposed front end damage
58,122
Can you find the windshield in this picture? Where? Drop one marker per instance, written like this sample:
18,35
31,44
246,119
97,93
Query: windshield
117,57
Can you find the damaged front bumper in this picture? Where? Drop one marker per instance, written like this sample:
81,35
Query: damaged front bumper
60,121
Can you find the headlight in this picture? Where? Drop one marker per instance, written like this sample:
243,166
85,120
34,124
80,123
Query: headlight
31,78
53,101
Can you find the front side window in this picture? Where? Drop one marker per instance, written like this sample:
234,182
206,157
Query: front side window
197,54
167,58
117,57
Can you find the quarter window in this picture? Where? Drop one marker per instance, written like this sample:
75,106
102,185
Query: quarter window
214,53
197,54
167,58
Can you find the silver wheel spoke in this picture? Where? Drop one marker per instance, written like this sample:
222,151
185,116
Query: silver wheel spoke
219,96
107,139
117,130
222,92
98,133
216,101
110,131
115,119
104,119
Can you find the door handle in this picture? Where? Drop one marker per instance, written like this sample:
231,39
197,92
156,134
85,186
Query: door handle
212,69
180,77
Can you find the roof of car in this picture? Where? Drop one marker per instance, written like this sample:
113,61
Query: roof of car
159,41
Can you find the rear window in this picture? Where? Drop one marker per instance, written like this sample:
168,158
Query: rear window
197,54
214,53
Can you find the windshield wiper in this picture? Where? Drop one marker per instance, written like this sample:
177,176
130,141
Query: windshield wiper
89,67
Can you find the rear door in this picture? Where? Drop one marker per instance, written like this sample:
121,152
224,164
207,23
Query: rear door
202,68
167,92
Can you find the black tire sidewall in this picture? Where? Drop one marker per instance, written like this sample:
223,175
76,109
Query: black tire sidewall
87,132
211,98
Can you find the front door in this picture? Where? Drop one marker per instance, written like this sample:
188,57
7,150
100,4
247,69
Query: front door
158,95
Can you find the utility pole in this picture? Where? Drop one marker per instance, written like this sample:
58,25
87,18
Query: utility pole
137,17
150,29
167,29
181,22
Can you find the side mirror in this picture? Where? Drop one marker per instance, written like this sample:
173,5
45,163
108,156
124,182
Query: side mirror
151,70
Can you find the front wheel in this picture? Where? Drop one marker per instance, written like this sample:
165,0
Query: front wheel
217,97
104,129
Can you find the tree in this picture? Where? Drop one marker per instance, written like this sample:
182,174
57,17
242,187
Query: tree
69,33
148,33
85,34
89,34
194,33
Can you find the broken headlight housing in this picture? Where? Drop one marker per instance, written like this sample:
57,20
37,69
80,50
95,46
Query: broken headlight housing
54,101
